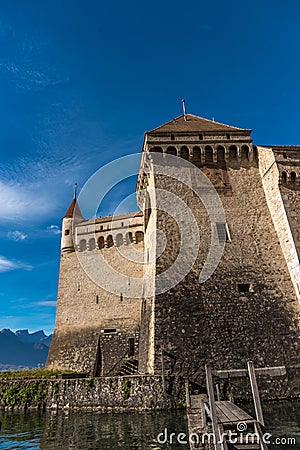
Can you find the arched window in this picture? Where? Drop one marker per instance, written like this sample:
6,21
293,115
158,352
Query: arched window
245,153
92,244
128,238
156,149
233,153
209,154
197,155
293,177
101,243
139,236
284,177
172,151
109,241
82,245
119,239
220,153
184,152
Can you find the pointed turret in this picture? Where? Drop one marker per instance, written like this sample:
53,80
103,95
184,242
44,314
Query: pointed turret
72,215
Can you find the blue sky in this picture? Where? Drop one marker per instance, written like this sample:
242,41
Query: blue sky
81,81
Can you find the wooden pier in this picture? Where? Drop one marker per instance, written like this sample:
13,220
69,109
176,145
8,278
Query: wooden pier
230,426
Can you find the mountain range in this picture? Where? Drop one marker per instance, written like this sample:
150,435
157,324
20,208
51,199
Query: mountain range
23,349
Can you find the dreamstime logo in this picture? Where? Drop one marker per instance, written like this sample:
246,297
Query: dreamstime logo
230,437
241,427
161,167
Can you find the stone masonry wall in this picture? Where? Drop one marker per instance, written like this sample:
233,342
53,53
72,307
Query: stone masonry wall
93,325
213,323
133,393
283,209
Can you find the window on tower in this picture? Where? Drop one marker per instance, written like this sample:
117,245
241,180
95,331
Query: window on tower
223,232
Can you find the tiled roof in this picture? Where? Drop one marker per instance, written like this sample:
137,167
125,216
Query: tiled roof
193,124
283,147
73,207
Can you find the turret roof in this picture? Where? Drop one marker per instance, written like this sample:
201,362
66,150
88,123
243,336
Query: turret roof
193,124
74,207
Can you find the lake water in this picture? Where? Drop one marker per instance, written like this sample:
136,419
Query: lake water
87,431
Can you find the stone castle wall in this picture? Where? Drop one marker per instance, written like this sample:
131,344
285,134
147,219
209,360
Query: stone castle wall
214,323
282,203
93,325
247,310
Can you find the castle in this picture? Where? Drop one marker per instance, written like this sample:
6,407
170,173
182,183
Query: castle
135,314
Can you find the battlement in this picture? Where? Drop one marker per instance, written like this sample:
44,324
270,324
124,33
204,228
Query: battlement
106,232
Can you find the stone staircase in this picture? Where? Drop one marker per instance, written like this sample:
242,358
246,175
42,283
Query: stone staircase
129,367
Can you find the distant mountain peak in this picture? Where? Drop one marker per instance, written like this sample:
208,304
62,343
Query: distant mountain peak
22,348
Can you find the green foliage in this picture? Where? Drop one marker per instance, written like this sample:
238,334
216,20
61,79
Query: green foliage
89,383
127,387
182,397
23,395
55,390
34,373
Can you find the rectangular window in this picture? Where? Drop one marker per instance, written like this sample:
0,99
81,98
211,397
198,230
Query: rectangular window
101,228
67,232
131,347
244,287
109,330
223,232
97,299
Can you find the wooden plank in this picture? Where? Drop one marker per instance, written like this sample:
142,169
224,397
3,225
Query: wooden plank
258,431
187,394
163,369
212,407
277,371
232,416
255,393
222,417
221,428
203,414
240,413
195,401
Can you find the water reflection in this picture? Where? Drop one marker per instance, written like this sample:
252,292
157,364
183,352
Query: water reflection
88,431
55,431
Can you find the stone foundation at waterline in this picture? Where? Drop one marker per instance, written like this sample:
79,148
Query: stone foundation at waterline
132,393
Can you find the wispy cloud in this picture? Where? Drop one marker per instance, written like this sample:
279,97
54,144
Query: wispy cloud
7,265
46,303
17,235
26,66
28,203
54,229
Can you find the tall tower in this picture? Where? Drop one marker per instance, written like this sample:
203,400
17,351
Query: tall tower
73,214
247,309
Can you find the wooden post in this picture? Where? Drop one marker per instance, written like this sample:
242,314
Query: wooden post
212,407
258,431
187,394
218,392
255,393
163,369
203,413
